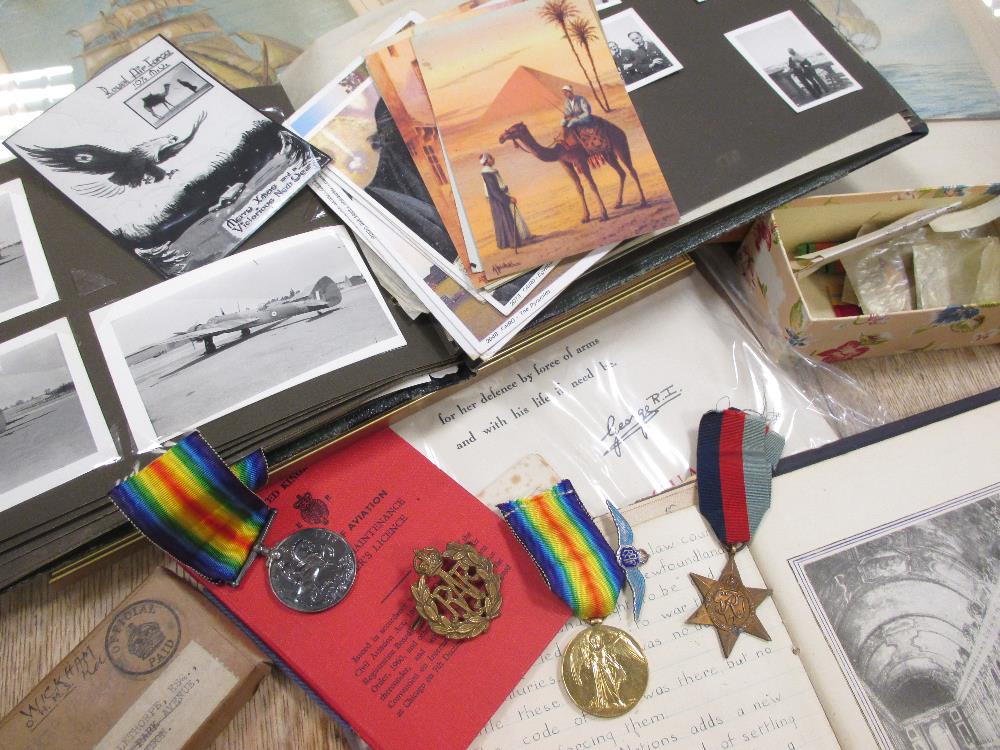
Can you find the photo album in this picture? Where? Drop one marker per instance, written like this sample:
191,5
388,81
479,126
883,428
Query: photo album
480,176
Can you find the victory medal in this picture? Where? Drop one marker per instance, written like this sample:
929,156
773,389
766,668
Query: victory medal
604,669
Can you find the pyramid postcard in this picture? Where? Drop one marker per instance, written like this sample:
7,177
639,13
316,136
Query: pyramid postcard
547,153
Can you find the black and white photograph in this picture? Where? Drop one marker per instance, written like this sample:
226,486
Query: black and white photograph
792,61
25,281
277,315
912,612
605,4
51,426
640,56
181,191
168,95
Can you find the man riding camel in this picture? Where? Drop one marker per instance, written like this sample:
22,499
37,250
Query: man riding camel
576,110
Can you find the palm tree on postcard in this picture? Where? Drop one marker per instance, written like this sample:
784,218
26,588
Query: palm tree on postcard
513,96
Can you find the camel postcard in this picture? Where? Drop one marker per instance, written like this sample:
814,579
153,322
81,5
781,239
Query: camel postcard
177,167
548,156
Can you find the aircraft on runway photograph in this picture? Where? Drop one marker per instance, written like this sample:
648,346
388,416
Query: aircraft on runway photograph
51,426
278,315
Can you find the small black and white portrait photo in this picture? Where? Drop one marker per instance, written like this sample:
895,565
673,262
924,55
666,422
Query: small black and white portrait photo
25,281
194,348
641,57
51,426
792,61
910,611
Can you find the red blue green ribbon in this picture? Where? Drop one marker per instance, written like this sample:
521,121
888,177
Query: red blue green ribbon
574,557
737,453
197,509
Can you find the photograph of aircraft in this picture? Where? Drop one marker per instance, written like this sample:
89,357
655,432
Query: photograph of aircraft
323,299
194,348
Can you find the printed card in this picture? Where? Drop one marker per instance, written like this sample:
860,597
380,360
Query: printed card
177,167
548,155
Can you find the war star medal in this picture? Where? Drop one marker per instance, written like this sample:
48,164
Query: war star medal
729,606
604,669
208,516
466,596
737,453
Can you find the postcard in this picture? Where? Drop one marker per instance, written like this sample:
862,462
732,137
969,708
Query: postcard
548,154
640,56
792,61
279,315
394,70
349,121
25,281
51,426
177,167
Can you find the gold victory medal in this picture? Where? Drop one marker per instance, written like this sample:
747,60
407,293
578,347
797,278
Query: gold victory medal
605,671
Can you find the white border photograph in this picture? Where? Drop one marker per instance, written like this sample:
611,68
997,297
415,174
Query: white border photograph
792,61
198,347
52,429
640,56
25,281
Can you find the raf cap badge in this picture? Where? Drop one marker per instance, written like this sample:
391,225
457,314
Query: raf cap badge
458,592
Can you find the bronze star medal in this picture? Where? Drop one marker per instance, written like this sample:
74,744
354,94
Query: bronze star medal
737,455
729,606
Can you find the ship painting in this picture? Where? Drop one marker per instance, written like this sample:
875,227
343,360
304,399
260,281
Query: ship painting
239,60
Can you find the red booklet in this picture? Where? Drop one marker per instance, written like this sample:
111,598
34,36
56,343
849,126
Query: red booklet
396,686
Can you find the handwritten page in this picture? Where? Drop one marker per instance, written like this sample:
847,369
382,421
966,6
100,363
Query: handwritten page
760,697
615,407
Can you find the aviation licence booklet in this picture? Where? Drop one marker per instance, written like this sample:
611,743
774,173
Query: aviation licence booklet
175,165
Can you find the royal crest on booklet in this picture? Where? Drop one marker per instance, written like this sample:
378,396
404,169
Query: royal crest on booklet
177,167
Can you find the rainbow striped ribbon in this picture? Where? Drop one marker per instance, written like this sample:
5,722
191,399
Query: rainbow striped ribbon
574,557
197,509
737,453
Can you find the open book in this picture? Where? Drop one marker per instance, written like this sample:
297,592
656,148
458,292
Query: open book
884,620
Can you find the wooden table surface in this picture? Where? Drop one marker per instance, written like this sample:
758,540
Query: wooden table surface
38,626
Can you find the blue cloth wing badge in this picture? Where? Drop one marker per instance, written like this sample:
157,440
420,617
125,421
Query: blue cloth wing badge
630,558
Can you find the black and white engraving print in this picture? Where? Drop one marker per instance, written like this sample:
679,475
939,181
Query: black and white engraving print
912,612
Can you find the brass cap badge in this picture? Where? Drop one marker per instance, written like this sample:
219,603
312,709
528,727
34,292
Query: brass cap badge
466,595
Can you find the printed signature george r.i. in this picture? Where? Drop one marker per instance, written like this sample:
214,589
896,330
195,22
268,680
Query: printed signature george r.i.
620,430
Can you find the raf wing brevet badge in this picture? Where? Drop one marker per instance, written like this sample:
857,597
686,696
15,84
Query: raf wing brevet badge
207,515
630,558
458,592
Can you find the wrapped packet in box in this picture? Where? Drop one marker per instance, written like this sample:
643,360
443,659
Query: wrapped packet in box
165,669
803,312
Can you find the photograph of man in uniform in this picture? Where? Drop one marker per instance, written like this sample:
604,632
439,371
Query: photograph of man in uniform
648,57
641,57
804,71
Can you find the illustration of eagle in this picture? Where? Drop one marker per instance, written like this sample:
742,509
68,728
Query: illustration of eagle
138,166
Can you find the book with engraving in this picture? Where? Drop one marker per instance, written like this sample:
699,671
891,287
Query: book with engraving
397,686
